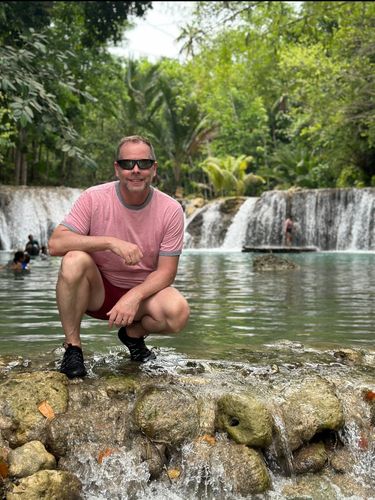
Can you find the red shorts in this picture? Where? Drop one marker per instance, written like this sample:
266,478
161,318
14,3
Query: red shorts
112,294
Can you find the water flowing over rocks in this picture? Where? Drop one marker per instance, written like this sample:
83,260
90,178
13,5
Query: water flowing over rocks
328,219
309,409
167,415
204,429
35,210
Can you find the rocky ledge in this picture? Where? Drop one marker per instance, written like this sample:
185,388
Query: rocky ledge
204,433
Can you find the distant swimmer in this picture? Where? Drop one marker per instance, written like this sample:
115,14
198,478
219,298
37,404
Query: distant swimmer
32,246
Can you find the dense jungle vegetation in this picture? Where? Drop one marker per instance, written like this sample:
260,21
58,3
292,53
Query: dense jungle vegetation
270,95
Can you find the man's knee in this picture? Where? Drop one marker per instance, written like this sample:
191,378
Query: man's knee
179,315
75,264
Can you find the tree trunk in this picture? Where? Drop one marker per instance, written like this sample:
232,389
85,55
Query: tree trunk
18,159
21,159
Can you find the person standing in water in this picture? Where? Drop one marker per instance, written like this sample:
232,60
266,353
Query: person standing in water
288,231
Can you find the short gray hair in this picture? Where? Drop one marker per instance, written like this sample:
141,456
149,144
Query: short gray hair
136,139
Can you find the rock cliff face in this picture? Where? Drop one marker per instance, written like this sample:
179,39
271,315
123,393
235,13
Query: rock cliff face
197,431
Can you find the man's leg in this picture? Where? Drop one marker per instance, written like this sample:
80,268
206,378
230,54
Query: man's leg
165,312
79,288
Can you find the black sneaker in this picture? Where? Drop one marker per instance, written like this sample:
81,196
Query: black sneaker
136,346
72,364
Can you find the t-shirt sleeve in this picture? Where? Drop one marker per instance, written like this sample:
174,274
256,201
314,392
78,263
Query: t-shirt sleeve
174,235
79,217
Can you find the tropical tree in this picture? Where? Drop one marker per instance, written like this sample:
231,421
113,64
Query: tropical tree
43,92
228,175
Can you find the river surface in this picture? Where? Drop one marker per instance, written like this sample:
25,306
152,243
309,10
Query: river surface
328,303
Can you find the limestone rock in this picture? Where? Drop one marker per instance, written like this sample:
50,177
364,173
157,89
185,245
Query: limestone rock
20,396
309,409
310,458
242,468
245,419
311,488
192,205
121,387
225,467
47,484
153,454
272,263
342,461
106,424
30,458
167,414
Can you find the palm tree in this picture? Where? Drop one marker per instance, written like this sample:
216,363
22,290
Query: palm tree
228,175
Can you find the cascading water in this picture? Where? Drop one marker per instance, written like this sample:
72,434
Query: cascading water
36,211
236,235
329,219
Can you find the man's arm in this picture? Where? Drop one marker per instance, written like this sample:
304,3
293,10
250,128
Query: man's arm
64,240
126,308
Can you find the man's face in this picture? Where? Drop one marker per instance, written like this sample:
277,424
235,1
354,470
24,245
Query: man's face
135,180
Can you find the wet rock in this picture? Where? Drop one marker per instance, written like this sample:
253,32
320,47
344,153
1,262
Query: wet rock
311,488
121,387
349,356
230,206
153,454
30,458
341,461
227,208
207,415
226,467
106,423
310,408
6,424
190,206
47,484
20,396
272,263
310,458
242,468
167,414
245,419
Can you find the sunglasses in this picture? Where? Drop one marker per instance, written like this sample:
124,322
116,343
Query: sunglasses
130,164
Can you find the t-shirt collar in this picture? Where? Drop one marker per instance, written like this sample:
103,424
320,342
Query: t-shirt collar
133,207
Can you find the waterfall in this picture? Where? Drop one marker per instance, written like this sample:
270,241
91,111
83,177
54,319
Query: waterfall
329,219
209,227
32,210
236,235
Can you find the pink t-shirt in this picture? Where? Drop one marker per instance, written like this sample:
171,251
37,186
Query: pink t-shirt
156,226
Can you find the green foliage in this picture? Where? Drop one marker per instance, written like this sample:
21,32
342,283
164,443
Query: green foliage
228,175
290,88
49,84
350,177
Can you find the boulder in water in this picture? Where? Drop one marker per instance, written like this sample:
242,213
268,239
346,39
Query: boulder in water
270,262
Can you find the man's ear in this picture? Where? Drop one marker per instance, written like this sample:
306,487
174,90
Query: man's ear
155,170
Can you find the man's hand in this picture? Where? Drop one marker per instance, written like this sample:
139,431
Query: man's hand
128,251
124,311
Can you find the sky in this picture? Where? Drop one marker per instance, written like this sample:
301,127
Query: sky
155,35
